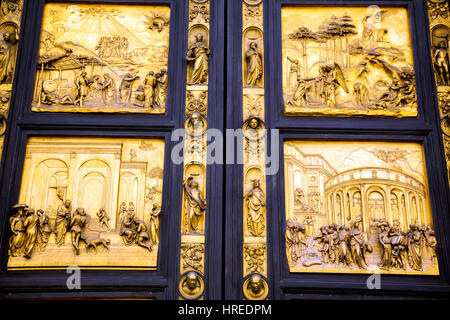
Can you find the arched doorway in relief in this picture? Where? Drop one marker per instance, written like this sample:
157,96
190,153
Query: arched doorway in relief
92,194
49,185
376,205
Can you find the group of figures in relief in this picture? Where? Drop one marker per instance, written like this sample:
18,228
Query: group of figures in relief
103,61
100,90
348,245
382,79
32,229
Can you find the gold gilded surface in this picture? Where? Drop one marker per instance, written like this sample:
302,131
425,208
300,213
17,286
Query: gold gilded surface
254,213
347,61
191,285
88,202
438,11
356,207
103,58
10,15
255,287
194,204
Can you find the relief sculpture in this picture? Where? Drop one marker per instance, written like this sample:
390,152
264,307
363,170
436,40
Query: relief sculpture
347,61
84,201
10,15
440,59
107,58
355,207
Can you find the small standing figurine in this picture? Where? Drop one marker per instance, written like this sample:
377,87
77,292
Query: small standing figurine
198,54
441,64
254,65
255,203
103,218
195,205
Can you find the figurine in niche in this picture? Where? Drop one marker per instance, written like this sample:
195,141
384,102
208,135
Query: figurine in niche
254,65
126,86
8,56
195,204
44,230
198,54
31,233
255,200
441,63
63,219
103,219
17,240
77,226
154,223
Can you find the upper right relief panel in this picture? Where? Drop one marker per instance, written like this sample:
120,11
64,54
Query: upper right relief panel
347,61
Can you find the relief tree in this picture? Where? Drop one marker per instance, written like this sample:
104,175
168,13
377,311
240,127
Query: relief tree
303,34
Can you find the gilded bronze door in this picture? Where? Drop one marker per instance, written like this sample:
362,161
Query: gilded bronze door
212,149
104,160
343,180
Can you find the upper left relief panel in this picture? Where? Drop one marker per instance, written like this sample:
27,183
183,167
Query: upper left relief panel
103,58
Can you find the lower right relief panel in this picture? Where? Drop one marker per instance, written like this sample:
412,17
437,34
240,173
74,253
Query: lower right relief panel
357,207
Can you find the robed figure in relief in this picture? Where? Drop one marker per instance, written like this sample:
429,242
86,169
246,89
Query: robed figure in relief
254,65
255,203
198,54
195,205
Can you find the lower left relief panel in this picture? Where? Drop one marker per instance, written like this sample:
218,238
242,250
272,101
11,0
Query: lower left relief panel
89,202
